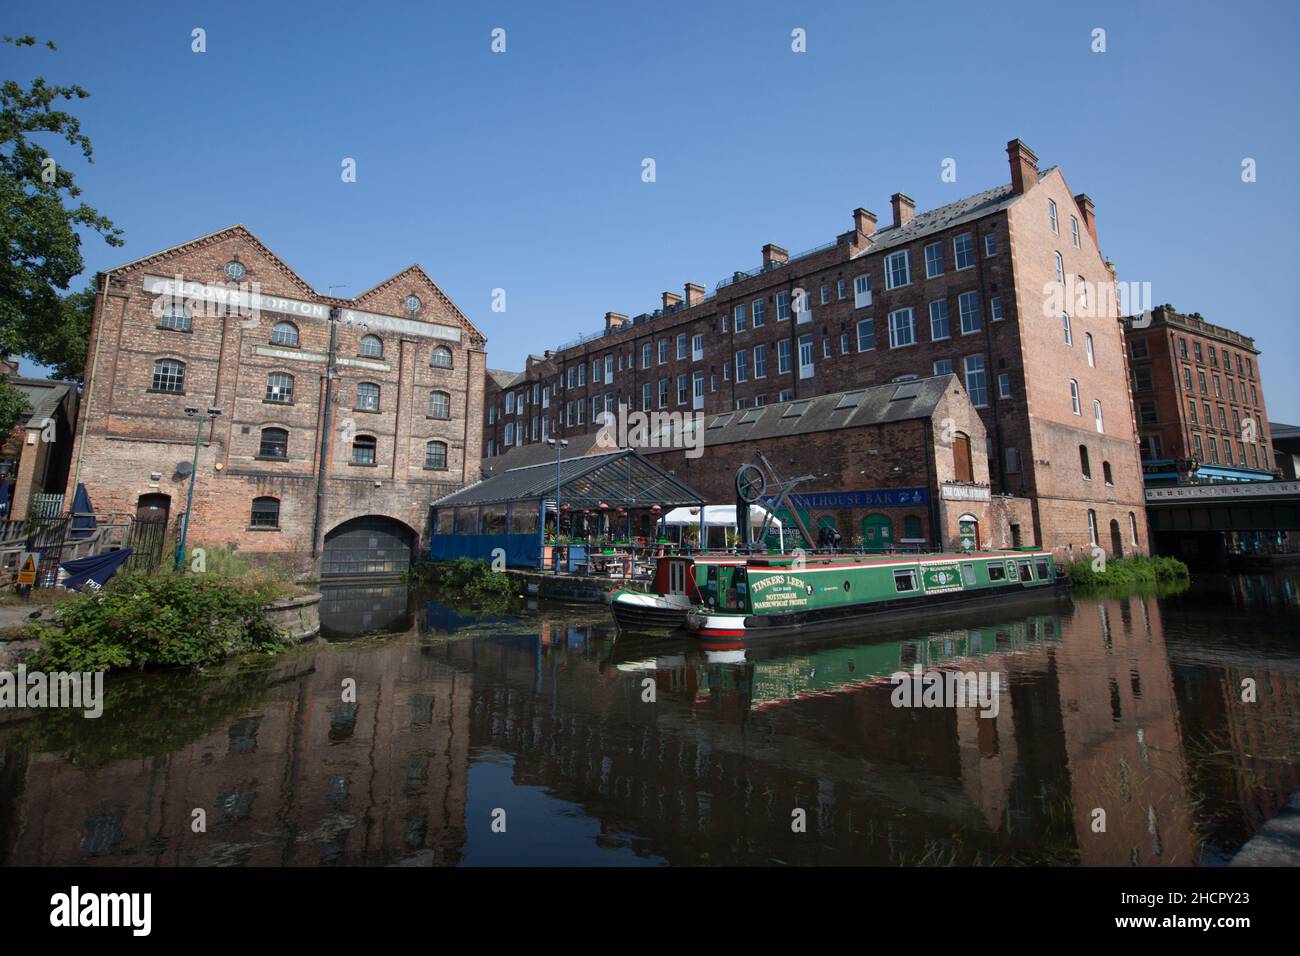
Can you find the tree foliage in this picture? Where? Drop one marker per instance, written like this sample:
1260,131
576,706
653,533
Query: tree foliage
41,217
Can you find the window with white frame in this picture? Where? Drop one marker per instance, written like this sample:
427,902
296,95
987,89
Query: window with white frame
1060,268
647,395
995,308
825,294
862,291
977,386
943,367
968,308
783,356
841,289
963,251
663,351
939,327
786,395
805,356
902,328
663,392
802,307
647,357
760,361
934,260
844,343
866,335
739,317
783,306
681,345
898,269
742,366
1092,359
990,245
1096,416
1051,215
1004,385
697,391
1074,397
1074,231
697,347
582,374
683,389
758,313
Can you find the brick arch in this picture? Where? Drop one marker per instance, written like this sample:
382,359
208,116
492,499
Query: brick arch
369,544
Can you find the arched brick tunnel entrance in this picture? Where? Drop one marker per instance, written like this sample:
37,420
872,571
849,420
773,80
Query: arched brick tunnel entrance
368,545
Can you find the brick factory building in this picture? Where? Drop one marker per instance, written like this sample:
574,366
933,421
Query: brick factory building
1199,400
893,466
341,484
1007,289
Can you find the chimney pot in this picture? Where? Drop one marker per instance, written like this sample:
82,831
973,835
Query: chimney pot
1024,166
904,208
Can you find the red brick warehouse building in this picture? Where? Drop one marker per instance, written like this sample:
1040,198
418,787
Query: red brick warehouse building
1007,289
340,419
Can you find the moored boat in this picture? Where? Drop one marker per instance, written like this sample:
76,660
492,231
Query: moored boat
765,596
672,593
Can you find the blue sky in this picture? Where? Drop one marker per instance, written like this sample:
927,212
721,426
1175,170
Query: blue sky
522,170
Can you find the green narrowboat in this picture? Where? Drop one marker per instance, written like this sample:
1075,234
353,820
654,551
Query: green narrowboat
770,595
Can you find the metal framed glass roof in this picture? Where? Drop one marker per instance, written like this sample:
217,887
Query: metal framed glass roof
619,479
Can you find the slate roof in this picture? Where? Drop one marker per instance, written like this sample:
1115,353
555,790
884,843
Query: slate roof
503,378
870,405
521,456
614,478
44,395
953,214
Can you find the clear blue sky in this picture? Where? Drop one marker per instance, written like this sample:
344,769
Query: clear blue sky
522,170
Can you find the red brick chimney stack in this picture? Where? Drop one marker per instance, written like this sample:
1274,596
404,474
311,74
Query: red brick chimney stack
864,221
1088,213
1024,166
904,208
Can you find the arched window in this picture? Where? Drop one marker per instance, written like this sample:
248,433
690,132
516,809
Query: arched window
176,316
372,346
168,376
1092,359
1074,397
1060,269
435,455
961,460
912,530
279,388
1096,416
284,333
1132,529
1051,216
440,405
1116,540
275,443
363,450
1092,526
1083,462
1065,328
1105,473
441,357
266,513
367,397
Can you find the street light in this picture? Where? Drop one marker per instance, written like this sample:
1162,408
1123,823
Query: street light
193,412
558,444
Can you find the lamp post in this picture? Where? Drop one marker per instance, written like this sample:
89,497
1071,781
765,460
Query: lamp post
558,444
193,412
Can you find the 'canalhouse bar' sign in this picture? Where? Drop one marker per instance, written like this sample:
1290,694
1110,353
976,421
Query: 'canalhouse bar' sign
871,498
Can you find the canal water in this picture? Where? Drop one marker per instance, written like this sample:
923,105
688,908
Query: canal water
1142,729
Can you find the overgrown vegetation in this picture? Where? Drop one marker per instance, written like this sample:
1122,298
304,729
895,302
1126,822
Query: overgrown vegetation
266,577
464,582
1126,572
142,620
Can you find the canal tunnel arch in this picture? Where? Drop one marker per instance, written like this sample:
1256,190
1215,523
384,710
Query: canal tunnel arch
370,545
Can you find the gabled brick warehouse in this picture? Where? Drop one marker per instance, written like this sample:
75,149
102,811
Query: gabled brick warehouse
340,419
1007,289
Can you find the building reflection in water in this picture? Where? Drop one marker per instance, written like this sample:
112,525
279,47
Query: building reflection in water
348,611
1120,738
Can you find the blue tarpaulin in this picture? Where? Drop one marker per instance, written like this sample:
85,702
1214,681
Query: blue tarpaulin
95,570
521,550
84,526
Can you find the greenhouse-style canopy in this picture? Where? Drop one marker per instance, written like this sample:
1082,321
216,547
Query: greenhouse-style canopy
509,510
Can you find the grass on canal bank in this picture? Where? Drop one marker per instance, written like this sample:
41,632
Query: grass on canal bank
1137,571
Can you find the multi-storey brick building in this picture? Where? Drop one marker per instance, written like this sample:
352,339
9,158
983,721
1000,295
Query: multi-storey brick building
340,419
1007,289
1199,400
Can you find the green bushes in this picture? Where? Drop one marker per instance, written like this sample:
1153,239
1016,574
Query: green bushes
1126,572
463,581
142,620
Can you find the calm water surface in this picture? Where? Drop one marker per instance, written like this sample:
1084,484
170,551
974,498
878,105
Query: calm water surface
1131,706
